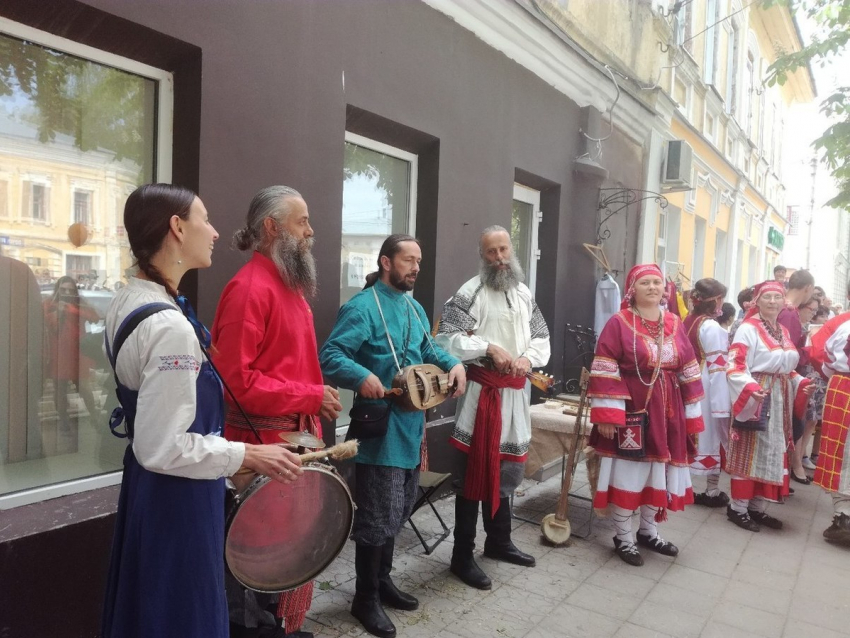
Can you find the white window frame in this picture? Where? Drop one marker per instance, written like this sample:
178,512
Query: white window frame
162,171
710,51
341,429
530,196
165,83
392,151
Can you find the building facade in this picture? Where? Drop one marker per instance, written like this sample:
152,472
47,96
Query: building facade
731,222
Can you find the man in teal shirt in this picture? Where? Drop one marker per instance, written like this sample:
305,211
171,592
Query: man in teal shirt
379,331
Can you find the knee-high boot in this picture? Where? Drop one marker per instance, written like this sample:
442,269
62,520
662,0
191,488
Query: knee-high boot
366,606
463,564
498,544
389,593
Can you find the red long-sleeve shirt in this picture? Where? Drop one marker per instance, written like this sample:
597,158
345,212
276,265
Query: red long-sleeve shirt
266,343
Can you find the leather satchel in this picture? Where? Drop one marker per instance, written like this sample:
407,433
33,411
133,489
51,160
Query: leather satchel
759,421
368,420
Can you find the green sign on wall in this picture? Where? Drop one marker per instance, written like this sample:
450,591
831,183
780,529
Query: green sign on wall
775,239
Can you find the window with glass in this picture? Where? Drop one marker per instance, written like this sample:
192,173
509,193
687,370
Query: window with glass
525,218
68,114
378,200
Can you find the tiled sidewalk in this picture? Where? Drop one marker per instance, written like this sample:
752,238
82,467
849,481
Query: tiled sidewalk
726,582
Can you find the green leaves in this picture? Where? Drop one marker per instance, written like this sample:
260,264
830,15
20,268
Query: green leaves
829,41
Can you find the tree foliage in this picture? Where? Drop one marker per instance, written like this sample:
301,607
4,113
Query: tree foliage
832,21
101,108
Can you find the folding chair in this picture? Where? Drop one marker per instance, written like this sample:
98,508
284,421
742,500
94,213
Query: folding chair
429,483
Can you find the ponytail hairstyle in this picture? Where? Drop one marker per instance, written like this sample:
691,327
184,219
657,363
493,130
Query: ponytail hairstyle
269,202
147,220
707,297
390,248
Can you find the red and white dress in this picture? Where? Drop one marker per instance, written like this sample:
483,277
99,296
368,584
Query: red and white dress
757,461
833,470
711,345
660,477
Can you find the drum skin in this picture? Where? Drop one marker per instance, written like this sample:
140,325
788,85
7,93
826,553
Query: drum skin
280,536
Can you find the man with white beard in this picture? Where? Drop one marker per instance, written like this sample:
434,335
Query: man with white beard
266,353
493,324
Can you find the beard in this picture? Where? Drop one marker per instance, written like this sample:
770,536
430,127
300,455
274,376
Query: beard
502,280
295,263
399,282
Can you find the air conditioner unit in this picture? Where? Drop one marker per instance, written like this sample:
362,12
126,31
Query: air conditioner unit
678,160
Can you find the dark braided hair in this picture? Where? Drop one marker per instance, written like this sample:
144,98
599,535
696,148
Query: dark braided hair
703,295
390,248
147,219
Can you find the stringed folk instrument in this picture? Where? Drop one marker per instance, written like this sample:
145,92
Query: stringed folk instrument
423,386
419,387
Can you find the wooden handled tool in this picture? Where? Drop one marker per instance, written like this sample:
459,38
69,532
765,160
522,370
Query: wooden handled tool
339,452
556,527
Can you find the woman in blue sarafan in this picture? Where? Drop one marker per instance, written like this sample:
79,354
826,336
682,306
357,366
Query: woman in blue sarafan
166,573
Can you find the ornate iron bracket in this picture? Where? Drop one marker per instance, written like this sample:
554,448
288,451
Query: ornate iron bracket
618,200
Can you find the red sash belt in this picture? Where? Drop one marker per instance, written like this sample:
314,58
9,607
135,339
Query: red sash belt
285,423
483,464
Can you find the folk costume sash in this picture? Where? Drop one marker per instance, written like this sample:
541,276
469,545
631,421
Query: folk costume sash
483,463
284,423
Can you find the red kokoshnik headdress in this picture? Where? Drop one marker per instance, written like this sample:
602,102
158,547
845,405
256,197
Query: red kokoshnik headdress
636,273
770,285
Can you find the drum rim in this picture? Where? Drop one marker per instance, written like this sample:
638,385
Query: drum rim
253,488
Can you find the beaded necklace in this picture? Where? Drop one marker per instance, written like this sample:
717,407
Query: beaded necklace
777,335
658,336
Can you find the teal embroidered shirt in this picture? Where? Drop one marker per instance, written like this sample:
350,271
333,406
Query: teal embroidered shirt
358,346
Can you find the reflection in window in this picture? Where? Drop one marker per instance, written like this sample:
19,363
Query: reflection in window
63,119
378,196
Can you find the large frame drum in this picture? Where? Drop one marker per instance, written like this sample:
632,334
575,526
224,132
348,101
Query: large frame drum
280,536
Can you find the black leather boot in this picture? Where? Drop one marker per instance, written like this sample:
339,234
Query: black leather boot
366,606
498,544
463,564
388,592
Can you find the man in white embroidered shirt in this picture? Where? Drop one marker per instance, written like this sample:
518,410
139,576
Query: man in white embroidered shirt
493,324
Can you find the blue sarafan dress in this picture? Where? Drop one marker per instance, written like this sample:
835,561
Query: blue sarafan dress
166,573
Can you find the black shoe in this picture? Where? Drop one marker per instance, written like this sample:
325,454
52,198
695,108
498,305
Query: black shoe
839,531
509,554
805,480
720,499
628,552
388,593
742,520
366,606
765,519
463,564
465,568
498,545
657,544
299,634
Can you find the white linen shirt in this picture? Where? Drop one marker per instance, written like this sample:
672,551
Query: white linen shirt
167,392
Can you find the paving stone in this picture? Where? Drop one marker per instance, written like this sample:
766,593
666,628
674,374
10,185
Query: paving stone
818,613
576,622
755,621
695,580
698,604
716,629
764,598
676,622
604,601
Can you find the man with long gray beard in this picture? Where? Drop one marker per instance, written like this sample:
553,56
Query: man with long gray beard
267,354
494,325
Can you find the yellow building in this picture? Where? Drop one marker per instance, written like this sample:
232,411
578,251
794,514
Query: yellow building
49,189
731,223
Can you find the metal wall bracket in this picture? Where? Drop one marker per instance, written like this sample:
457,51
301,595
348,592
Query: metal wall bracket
614,200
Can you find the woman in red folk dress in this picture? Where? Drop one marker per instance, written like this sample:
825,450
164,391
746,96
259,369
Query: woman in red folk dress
765,391
645,390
